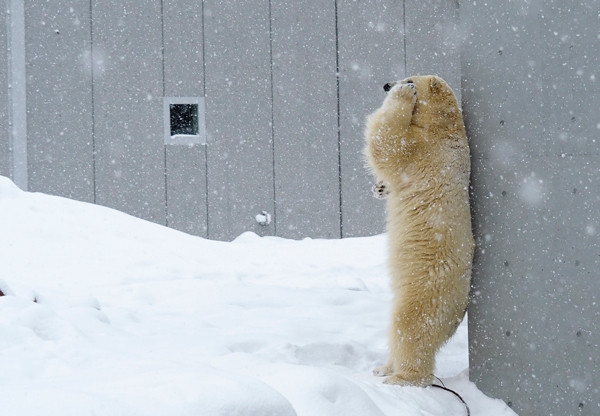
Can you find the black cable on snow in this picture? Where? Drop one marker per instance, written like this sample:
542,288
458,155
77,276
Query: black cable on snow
456,394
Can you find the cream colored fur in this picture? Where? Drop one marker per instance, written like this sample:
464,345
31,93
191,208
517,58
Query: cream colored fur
417,146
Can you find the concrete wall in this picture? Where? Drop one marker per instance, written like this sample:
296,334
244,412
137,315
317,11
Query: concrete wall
531,97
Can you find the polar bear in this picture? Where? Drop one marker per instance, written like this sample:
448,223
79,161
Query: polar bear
417,148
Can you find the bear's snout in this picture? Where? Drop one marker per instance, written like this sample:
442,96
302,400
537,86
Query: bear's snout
387,87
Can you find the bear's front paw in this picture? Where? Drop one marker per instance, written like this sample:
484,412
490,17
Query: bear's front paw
380,191
404,90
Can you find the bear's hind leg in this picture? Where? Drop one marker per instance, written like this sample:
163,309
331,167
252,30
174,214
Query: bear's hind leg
412,350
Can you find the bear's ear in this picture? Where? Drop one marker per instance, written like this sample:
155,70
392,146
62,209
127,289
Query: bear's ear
434,84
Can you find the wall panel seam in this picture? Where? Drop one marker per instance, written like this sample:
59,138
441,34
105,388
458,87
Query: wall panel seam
275,220
339,128
404,34
206,140
93,109
162,40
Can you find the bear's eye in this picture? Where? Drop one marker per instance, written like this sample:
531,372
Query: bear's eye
409,81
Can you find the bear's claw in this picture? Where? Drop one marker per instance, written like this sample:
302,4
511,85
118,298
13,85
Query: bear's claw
384,370
380,191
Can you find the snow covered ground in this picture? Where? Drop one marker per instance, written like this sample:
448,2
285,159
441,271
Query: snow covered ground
106,314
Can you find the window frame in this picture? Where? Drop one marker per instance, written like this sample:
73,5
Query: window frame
184,139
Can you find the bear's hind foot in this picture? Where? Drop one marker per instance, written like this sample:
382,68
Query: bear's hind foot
412,380
384,370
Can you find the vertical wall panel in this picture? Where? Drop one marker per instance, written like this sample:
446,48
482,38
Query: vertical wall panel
17,93
59,98
371,53
305,119
238,116
4,132
183,43
531,100
186,188
128,108
184,77
433,40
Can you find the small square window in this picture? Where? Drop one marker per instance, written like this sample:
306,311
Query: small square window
184,120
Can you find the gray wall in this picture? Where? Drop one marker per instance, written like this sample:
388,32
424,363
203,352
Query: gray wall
4,138
13,98
128,88
238,116
531,99
59,98
305,118
286,88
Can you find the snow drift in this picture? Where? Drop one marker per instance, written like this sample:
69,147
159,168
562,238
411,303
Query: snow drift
106,314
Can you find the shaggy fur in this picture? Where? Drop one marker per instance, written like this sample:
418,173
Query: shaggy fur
417,147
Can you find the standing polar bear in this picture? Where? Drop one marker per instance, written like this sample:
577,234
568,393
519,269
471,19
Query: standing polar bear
417,148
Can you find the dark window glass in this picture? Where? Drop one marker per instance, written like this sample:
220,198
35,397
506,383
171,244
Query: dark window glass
184,119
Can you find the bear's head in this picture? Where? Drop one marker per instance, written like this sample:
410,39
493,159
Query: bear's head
436,103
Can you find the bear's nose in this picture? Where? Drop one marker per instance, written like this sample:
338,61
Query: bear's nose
388,86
